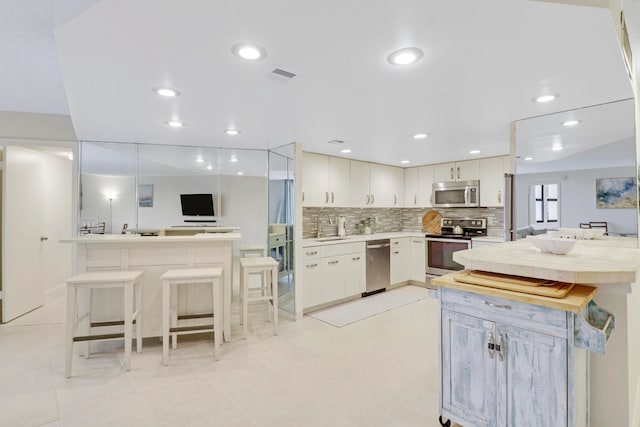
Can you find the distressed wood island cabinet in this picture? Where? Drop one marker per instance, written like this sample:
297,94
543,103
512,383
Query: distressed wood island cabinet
505,362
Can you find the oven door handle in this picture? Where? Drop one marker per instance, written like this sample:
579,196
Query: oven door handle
445,240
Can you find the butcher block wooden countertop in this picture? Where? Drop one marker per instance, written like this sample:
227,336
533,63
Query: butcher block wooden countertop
576,300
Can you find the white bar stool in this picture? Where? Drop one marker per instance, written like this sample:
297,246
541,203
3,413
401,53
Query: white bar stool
129,281
258,265
170,281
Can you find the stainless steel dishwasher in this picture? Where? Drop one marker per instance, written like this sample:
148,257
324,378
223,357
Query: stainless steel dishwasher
378,262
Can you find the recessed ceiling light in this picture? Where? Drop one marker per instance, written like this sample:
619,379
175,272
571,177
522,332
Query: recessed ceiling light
209,166
199,159
557,147
404,162
231,131
545,98
175,123
405,56
233,158
570,123
419,135
346,151
247,51
240,173
528,158
474,152
166,91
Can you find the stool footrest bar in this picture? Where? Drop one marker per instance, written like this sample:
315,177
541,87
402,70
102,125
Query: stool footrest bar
98,337
195,316
191,328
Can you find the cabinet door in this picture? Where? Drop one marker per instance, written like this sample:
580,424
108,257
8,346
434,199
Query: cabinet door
359,184
533,380
418,266
315,179
411,187
385,186
468,369
444,172
468,170
492,181
312,279
339,182
426,186
355,273
399,268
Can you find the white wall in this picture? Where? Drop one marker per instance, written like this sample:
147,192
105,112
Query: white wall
577,198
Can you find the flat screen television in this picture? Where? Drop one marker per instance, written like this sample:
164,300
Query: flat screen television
197,204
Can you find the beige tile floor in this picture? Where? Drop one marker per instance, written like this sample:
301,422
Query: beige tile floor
380,372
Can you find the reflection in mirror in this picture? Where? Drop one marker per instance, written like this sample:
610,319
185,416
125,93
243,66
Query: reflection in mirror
577,167
281,220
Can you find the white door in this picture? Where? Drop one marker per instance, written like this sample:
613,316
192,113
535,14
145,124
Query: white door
36,213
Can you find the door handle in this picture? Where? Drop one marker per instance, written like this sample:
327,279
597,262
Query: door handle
43,238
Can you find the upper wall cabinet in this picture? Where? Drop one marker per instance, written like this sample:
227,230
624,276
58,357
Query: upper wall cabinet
418,182
374,185
467,170
325,181
492,172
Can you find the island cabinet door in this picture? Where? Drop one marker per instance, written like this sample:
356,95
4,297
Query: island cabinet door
468,369
533,378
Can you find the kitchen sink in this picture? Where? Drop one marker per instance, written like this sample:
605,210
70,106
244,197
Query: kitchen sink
328,239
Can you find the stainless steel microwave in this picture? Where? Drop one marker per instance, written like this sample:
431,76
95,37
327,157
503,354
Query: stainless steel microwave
456,194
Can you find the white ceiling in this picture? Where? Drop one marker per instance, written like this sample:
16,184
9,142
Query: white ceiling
484,62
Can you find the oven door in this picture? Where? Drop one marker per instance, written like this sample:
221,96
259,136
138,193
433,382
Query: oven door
439,254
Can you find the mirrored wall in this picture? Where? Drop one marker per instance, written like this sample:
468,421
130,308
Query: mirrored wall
576,168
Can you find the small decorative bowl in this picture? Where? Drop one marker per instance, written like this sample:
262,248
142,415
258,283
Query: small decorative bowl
554,245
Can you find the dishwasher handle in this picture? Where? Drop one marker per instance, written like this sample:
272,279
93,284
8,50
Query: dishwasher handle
383,245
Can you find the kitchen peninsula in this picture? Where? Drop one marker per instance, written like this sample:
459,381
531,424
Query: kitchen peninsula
154,255
611,264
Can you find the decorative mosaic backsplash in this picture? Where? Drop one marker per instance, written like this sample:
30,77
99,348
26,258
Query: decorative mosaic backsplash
390,219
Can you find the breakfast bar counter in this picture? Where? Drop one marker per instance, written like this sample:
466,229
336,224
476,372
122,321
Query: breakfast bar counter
611,265
154,255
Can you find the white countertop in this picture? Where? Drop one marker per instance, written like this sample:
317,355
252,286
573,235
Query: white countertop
354,238
137,238
604,261
493,239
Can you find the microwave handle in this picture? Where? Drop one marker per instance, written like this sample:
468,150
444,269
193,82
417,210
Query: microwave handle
466,196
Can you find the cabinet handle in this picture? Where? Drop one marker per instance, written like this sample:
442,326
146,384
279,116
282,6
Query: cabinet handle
312,253
490,304
326,197
415,199
395,200
334,262
332,197
311,265
396,252
372,199
303,195
499,348
490,345
499,196
366,199
355,259
458,172
451,172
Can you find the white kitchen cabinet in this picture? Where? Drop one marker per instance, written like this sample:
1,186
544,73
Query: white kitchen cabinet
467,170
333,272
417,267
359,184
492,181
411,187
418,184
325,181
508,363
400,260
386,186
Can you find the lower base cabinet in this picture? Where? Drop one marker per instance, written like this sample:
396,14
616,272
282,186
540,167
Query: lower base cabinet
506,363
333,272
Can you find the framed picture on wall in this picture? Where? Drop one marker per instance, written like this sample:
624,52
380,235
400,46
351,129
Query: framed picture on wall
145,195
612,193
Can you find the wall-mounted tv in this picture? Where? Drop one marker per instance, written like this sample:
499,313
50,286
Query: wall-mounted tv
197,204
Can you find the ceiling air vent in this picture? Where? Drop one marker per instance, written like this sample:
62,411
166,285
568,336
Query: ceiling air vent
283,73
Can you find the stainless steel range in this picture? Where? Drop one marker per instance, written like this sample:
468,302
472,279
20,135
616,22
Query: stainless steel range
455,235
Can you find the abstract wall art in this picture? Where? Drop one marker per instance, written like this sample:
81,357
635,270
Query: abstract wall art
616,193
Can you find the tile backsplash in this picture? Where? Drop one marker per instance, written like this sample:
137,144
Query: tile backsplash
391,219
